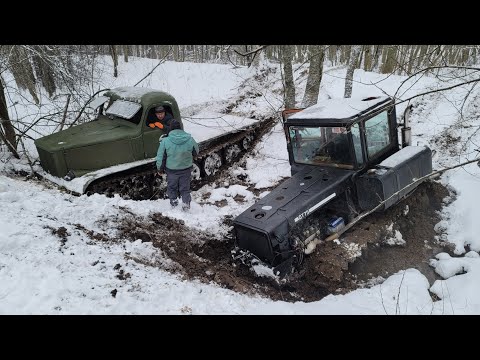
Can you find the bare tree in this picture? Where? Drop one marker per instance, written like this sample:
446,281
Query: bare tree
377,52
403,59
55,68
159,63
125,53
250,54
421,57
289,93
113,53
344,53
61,69
413,56
389,60
43,61
258,57
7,131
332,54
316,54
352,65
21,68
367,56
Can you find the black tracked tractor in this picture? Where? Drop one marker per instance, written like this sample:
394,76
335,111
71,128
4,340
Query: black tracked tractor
346,160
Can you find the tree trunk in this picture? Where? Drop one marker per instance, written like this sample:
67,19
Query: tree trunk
332,54
64,118
367,63
376,57
437,56
360,57
258,58
42,60
345,54
248,58
451,53
125,53
22,71
474,55
390,60
465,55
113,53
316,54
7,133
352,64
289,94
297,53
413,57
421,57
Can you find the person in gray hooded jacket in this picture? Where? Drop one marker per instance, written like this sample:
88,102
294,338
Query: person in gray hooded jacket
175,157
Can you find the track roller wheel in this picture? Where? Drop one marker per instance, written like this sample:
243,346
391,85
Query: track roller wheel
247,141
232,152
196,172
212,163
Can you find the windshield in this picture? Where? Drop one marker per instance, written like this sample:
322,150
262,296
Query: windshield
321,146
94,104
123,109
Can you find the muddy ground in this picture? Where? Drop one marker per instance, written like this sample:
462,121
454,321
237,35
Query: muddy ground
366,254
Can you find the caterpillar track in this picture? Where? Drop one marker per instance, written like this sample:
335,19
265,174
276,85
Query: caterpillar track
216,154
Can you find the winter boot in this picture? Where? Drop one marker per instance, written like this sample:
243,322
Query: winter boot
174,203
186,206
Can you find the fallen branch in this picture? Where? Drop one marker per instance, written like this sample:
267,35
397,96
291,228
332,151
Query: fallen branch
85,106
254,51
62,123
161,62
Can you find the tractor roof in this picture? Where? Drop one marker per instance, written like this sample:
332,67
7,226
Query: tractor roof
339,111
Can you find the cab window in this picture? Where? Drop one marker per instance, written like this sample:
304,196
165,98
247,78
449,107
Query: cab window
321,146
126,110
357,144
377,134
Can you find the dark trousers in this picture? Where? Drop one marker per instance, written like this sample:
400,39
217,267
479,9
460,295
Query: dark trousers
178,181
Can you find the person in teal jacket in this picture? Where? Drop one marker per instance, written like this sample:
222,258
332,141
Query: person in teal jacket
175,158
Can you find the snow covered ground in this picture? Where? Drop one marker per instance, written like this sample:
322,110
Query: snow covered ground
43,273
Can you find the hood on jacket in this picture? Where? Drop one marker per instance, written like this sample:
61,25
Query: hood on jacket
179,137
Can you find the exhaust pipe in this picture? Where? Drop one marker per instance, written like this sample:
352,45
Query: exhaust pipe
406,129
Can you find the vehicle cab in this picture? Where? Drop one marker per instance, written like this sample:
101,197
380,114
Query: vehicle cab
343,133
118,134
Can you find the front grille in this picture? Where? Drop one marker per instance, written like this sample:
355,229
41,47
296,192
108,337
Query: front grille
254,241
46,160
52,163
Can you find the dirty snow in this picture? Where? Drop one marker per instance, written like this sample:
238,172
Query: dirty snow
40,273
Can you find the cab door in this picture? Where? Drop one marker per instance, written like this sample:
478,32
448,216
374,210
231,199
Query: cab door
150,136
285,115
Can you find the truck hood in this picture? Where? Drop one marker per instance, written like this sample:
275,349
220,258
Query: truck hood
91,133
294,199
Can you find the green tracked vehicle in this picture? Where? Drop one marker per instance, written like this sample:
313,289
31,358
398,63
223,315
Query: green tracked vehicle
115,152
